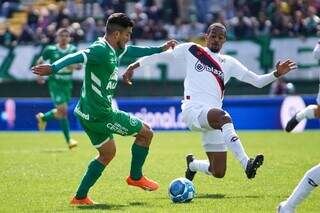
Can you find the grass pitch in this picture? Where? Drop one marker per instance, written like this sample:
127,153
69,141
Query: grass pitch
39,174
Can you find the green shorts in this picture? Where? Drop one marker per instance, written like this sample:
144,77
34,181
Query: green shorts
60,92
118,122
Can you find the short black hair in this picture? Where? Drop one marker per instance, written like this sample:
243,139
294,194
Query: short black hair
63,30
118,22
217,24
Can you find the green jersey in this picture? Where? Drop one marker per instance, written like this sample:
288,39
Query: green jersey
101,77
52,53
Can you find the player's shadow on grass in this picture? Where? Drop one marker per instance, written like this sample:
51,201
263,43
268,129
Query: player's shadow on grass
111,206
210,196
102,207
223,196
54,151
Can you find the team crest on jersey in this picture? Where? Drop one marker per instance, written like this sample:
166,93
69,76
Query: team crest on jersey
133,121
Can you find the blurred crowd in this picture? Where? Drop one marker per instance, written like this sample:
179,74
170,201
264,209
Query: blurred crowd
162,19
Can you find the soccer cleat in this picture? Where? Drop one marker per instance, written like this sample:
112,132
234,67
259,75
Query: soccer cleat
144,183
253,165
283,209
292,123
83,201
189,174
72,143
41,123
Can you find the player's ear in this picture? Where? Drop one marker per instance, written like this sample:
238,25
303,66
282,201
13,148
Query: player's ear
205,36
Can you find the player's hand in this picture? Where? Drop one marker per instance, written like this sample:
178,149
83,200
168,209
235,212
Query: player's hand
40,80
127,76
169,44
42,69
283,68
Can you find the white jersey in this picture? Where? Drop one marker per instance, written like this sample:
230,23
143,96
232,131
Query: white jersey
207,72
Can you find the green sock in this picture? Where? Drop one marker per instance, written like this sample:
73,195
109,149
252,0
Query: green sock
94,171
49,115
139,155
64,124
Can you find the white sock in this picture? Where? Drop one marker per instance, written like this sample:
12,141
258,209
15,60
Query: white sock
307,113
200,165
234,144
310,180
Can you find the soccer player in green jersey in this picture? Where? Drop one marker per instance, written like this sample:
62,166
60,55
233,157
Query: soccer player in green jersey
60,84
94,110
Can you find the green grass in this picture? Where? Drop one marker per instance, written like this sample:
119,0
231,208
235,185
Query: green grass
39,174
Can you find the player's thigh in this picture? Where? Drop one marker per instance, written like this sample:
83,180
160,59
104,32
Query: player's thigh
195,117
97,132
123,123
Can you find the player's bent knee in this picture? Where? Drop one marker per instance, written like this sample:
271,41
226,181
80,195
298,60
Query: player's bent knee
145,136
106,157
217,172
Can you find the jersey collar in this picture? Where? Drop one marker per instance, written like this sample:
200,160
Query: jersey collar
105,41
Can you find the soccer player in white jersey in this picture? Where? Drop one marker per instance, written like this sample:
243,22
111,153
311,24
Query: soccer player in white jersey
207,71
311,111
310,181
311,178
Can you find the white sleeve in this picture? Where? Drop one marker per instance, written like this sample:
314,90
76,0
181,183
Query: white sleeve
178,52
316,51
242,73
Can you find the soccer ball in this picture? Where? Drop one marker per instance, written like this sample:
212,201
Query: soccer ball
181,190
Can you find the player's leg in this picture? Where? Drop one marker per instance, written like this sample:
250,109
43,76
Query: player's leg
105,145
62,116
139,151
216,150
219,119
309,182
43,118
310,112
127,125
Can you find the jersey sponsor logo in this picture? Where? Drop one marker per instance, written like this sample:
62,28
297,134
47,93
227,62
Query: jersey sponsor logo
81,114
111,85
208,64
202,67
116,127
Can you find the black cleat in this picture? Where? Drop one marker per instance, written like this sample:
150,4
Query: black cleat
190,174
253,165
292,123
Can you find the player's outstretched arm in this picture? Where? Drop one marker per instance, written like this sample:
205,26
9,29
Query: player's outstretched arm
127,76
260,81
140,51
283,68
48,69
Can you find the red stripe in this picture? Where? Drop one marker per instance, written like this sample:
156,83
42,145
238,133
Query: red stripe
220,82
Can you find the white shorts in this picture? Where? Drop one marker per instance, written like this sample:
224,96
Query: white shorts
318,97
195,117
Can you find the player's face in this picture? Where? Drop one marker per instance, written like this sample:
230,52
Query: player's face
63,38
215,39
124,37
